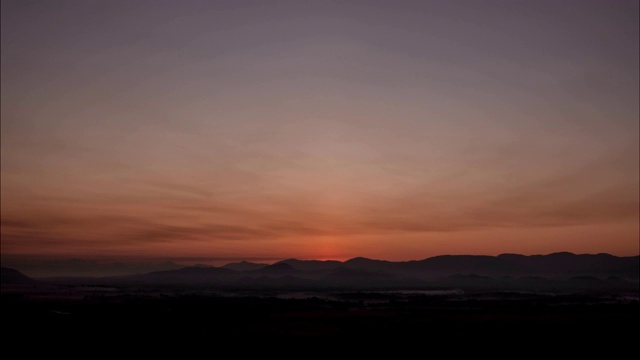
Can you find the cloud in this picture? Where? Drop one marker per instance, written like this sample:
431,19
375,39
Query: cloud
595,193
14,224
180,189
158,232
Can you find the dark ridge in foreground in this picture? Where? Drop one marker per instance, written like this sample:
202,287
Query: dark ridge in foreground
14,277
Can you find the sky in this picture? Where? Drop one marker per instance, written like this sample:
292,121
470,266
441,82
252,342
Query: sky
212,131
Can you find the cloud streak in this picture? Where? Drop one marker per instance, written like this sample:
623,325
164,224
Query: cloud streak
242,130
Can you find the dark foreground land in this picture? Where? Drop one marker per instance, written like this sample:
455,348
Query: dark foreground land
374,319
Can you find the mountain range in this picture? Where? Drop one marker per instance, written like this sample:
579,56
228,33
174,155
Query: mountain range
81,267
508,271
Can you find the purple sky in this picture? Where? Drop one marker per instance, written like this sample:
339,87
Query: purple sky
326,129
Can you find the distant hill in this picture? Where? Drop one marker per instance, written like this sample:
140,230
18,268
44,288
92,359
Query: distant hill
185,276
571,264
312,265
356,279
280,269
244,266
557,264
553,272
14,277
80,267
362,263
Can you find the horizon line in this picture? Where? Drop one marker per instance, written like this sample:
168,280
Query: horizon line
268,260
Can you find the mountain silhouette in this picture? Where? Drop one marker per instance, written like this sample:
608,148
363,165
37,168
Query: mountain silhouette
568,263
557,264
244,266
280,269
14,277
356,278
80,267
553,272
184,276
369,264
345,276
312,265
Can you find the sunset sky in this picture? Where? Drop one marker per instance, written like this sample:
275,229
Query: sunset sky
213,131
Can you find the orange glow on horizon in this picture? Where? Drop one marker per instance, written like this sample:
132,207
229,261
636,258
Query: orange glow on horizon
307,130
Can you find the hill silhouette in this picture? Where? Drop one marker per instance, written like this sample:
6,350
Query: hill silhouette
555,264
553,272
244,266
277,269
14,277
185,276
312,265
90,268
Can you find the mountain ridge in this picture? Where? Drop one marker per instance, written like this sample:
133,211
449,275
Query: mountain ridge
508,271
